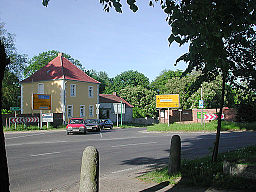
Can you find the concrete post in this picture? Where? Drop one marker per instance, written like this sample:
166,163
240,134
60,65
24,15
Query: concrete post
89,179
175,155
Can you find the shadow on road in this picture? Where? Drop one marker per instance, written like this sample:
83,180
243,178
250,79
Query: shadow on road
192,148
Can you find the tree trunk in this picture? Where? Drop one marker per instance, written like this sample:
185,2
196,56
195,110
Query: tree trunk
4,176
216,144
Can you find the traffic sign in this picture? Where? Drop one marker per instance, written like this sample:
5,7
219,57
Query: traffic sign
201,104
212,116
47,117
118,108
14,108
168,101
41,102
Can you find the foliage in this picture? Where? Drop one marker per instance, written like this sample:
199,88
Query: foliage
102,77
202,172
127,78
159,83
10,90
17,61
13,72
42,59
142,99
6,111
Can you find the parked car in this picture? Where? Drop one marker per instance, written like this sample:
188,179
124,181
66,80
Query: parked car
106,123
92,124
76,125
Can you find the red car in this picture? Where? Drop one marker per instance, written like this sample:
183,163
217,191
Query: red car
76,125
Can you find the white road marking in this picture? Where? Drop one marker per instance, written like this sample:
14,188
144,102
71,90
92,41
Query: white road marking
42,154
134,144
24,136
33,143
100,135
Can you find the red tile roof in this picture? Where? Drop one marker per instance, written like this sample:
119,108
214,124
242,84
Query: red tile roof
60,68
106,98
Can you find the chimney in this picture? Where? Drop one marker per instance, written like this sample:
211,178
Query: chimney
60,54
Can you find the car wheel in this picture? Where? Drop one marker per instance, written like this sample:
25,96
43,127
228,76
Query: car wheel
111,127
85,132
67,133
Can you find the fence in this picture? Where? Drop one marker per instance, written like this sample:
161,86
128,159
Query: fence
31,119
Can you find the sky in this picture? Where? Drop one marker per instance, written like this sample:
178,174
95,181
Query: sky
102,41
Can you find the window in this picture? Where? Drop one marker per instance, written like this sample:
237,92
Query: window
91,111
40,88
82,111
70,111
90,91
72,90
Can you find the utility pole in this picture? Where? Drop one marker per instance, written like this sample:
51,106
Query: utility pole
121,113
202,106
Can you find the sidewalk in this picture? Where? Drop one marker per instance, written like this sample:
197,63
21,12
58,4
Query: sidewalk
127,182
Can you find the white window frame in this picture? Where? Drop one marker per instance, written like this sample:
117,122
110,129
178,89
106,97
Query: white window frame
40,88
72,91
91,111
82,109
70,107
90,90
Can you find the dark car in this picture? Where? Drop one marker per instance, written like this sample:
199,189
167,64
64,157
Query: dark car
76,125
106,123
92,125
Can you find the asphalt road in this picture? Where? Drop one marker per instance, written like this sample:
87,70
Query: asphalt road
41,161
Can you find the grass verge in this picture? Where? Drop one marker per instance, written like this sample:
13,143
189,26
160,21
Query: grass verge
202,172
211,126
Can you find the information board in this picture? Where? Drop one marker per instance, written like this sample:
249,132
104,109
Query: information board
41,102
168,101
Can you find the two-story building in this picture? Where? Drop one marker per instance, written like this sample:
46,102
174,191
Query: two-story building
73,93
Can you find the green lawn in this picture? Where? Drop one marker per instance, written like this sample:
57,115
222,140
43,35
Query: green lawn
202,172
212,126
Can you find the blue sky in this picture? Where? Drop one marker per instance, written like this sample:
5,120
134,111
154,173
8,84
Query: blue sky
110,42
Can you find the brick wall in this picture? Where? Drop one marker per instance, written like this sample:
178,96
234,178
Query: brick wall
191,115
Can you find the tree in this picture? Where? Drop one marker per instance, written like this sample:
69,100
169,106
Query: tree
142,99
222,38
4,176
127,78
159,83
13,72
102,77
39,61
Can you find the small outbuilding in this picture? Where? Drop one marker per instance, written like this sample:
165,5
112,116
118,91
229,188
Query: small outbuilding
107,111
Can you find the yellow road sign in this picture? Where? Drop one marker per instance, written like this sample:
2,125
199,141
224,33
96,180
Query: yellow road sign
168,101
41,102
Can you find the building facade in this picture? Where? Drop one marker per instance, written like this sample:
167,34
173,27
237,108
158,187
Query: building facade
73,93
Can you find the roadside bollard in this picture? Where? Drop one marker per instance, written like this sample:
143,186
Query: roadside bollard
89,179
175,155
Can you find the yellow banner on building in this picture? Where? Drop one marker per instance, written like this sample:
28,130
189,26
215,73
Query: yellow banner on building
168,101
41,102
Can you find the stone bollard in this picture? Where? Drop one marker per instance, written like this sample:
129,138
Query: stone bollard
89,179
175,155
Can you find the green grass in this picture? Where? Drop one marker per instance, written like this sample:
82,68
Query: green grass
21,127
211,126
202,172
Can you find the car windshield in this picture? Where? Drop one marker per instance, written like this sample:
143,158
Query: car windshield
76,121
91,121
